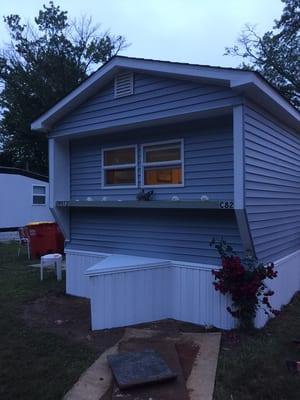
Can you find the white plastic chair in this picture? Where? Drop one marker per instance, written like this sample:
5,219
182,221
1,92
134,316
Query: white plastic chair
51,260
24,240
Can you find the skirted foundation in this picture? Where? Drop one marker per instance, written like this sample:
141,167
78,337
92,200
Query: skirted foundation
127,290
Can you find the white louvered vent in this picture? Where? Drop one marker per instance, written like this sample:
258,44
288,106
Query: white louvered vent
123,84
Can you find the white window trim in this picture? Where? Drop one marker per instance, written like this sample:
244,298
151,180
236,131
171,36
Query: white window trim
44,195
163,163
119,166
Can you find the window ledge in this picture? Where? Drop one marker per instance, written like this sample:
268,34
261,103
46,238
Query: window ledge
183,204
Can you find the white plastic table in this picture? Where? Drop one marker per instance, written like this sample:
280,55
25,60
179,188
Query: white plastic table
54,260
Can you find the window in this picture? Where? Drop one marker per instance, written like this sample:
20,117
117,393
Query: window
119,167
162,164
39,195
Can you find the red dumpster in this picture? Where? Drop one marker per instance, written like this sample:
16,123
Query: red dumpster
45,238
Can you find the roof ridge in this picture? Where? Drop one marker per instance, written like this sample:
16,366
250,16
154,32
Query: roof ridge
23,172
181,63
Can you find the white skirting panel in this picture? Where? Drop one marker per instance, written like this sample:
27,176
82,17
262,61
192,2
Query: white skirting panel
126,298
77,262
285,285
180,291
194,299
183,291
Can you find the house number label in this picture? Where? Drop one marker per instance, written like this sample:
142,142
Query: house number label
226,204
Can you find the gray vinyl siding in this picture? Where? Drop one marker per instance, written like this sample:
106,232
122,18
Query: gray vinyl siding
272,185
170,234
154,97
208,162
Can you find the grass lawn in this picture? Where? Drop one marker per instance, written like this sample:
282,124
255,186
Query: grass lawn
253,366
34,364
38,364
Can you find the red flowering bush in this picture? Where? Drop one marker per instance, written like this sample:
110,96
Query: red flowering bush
244,280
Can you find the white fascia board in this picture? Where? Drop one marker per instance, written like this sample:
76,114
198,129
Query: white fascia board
256,88
199,72
74,98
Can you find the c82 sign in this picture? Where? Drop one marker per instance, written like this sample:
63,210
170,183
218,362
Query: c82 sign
226,204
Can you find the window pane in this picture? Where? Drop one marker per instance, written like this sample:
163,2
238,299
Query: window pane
39,200
39,190
120,176
119,156
162,153
162,176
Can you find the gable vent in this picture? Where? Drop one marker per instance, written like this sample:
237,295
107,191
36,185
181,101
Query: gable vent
123,84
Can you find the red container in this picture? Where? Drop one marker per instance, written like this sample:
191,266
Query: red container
45,238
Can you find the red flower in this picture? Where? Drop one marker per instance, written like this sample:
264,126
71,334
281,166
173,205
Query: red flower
245,284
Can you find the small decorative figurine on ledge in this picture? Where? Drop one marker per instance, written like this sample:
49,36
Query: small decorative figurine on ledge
144,196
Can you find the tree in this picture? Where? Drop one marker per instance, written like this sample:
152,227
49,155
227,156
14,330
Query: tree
276,54
43,62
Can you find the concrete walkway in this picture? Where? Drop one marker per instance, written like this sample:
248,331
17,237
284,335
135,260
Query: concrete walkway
96,380
201,381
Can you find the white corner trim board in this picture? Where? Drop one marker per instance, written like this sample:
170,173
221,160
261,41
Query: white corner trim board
77,262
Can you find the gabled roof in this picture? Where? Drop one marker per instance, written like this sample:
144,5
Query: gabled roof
23,172
248,83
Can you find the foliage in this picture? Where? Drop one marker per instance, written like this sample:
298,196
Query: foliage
41,64
276,54
244,281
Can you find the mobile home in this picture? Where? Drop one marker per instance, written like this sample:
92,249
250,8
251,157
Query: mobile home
219,148
24,198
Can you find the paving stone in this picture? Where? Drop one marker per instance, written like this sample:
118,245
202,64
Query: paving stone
169,390
138,368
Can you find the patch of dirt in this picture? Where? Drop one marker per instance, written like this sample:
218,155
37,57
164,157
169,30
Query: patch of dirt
172,327
69,316
187,352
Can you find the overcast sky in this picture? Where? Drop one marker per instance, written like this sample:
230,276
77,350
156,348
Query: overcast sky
195,31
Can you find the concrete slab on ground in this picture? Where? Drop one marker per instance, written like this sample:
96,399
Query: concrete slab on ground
201,381
96,381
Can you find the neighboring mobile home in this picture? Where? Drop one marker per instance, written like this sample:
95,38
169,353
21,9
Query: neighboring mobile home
24,198
219,147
